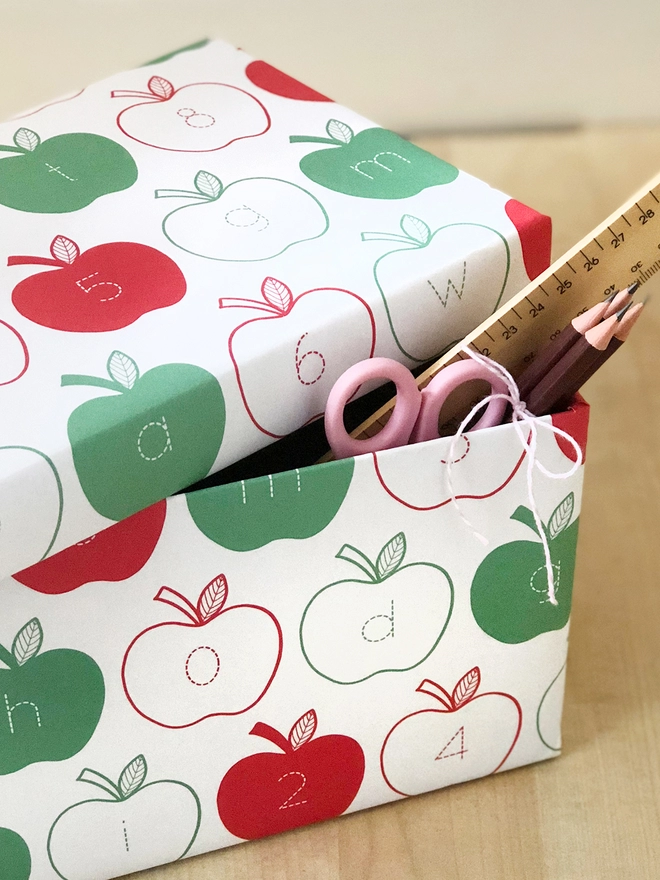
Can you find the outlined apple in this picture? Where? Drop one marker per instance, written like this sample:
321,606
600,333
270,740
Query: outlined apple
50,702
159,433
31,505
374,163
509,594
391,621
466,736
14,355
221,661
548,714
140,824
104,288
301,373
535,233
15,861
195,118
272,80
246,221
437,286
251,513
312,780
62,174
115,554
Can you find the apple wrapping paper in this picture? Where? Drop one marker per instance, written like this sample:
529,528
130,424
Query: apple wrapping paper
191,253
175,684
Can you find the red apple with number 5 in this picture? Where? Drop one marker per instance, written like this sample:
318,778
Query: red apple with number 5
466,735
104,288
311,780
296,350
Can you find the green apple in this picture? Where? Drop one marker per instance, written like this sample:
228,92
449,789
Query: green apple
134,827
354,629
64,173
374,164
15,861
50,703
160,432
251,513
509,594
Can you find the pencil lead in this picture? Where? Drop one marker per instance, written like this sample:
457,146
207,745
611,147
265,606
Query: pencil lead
622,311
608,299
633,287
626,325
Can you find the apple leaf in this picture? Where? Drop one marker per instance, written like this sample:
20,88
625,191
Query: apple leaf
123,369
212,598
277,294
161,88
208,184
64,250
339,131
303,730
466,687
391,556
561,516
132,776
415,228
27,642
27,139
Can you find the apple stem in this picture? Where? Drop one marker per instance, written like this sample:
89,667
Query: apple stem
304,139
269,733
100,781
231,302
4,148
432,689
34,261
129,93
108,384
8,658
182,194
176,600
351,554
390,236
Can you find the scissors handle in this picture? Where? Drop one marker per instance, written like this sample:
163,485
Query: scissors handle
398,429
441,386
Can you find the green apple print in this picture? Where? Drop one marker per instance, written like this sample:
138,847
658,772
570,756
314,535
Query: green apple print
50,702
438,285
159,433
15,861
390,621
509,593
62,174
136,825
249,220
251,513
374,164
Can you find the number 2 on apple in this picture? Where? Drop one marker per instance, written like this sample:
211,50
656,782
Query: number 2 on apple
88,289
289,802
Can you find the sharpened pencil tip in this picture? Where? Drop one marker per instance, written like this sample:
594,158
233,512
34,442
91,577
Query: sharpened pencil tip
622,311
633,287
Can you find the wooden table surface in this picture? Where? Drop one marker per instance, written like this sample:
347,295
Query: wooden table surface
593,813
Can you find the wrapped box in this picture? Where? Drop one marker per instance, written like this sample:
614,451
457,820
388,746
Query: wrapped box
191,254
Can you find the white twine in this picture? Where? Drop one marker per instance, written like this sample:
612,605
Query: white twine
520,416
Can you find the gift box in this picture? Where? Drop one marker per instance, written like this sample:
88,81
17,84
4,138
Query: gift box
192,253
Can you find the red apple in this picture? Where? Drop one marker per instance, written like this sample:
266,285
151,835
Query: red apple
14,356
535,233
105,288
314,779
471,735
220,662
292,351
575,421
115,554
272,80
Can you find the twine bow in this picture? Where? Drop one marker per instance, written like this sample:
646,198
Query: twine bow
520,416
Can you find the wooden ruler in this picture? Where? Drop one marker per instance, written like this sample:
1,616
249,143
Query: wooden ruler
622,249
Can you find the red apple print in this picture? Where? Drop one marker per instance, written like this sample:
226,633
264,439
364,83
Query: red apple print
105,288
575,421
535,232
313,779
14,356
115,554
466,735
195,118
221,661
272,80
299,360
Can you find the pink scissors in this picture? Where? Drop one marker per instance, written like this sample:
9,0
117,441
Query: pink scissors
415,416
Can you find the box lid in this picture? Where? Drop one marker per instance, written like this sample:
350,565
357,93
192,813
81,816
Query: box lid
191,253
